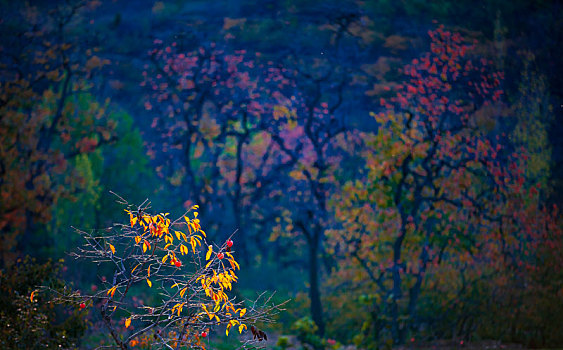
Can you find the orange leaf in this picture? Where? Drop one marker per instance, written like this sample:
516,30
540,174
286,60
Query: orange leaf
112,291
127,322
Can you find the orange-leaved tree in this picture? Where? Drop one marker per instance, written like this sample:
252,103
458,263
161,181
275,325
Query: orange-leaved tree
431,191
170,286
49,118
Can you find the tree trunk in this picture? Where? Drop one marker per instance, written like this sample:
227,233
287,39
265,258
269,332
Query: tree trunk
314,292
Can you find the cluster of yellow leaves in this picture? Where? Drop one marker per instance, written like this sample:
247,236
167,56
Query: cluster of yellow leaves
215,282
216,285
228,308
157,225
234,323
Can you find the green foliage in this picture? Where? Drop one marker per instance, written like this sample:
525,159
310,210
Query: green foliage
534,115
306,330
125,169
283,342
29,321
112,166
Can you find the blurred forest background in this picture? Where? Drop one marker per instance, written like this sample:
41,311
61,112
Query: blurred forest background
392,167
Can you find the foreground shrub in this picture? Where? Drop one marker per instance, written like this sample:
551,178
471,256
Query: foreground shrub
170,288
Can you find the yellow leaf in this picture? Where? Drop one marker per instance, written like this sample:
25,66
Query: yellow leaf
228,328
178,234
178,308
144,246
112,248
242,312
127,322
209,252
174,285
149,271
241,327
135,268
149,282
165,258
183,291
137,239
31,297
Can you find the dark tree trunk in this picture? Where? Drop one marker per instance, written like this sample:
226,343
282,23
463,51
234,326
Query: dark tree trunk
314,291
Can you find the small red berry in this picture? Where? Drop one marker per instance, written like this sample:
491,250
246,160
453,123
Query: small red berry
220,256
178,263
229,243
82,305
203,334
